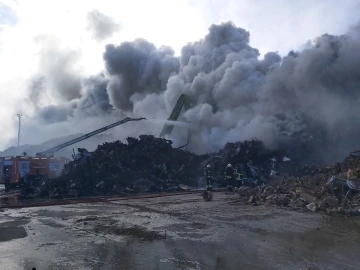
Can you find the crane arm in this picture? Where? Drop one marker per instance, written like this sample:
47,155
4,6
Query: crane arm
183,102
51,151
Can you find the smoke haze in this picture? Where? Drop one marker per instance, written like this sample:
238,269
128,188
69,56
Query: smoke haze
235,94
101,26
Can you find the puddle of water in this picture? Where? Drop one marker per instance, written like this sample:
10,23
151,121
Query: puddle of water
136,232
12,230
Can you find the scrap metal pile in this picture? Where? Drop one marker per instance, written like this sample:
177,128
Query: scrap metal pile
146,164
333,189
251,158
150,164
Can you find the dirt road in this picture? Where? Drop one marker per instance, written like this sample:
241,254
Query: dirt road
181,232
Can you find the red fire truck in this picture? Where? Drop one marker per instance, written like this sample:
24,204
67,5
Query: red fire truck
17,168
44,164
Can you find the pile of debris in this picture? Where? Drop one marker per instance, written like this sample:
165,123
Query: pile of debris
150,165
147,164
257,163
334,189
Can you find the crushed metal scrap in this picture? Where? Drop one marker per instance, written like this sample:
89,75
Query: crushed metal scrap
334,189
151,165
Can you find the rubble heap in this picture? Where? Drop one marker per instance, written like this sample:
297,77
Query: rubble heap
251,157
150,164
334,189
144,164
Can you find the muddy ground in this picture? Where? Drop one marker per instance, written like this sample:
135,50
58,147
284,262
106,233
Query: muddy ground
180,232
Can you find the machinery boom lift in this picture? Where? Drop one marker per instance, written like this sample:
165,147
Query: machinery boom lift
50,152
183,102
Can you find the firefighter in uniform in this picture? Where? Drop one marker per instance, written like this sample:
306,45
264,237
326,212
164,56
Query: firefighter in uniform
229,176
209,178
7,180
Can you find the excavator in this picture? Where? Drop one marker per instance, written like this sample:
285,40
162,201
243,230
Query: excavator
183,102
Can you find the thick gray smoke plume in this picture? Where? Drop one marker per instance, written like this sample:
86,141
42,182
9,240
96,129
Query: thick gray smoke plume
312,94
137,68
94,102
56,113
101,26
236,96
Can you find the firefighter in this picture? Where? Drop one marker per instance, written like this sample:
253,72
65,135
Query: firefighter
229,176
209,177
36,179
7,180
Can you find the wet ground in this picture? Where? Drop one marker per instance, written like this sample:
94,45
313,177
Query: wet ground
180,232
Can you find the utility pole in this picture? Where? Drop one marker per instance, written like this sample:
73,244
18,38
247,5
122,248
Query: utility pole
19,115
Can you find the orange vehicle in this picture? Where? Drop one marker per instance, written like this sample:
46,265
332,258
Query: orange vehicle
44,164
17,168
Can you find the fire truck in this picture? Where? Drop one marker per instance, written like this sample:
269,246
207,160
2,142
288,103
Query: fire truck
44,164
19,167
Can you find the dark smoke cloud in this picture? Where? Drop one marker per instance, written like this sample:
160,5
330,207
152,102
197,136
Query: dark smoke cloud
101,26
56,113
235,94
137,68
222,75
95,100
322,84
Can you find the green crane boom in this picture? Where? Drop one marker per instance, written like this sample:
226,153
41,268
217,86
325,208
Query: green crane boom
183,102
